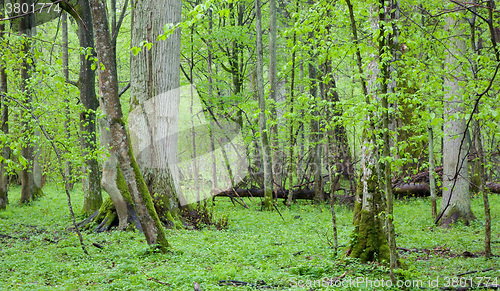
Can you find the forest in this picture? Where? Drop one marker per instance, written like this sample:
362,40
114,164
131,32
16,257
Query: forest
247,145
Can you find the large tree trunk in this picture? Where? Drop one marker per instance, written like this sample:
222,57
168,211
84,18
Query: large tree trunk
154,102
4,183
456,200
266,152
86,82
121,149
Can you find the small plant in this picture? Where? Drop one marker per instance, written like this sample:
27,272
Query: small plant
202,216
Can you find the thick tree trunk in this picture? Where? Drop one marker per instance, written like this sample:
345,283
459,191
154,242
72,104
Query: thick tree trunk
121,149
456,200
265,150
154,102
370,242
92,183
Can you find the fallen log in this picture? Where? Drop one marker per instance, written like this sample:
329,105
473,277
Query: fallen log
302,194
417,190
493,187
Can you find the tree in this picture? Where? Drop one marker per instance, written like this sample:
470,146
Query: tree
456,200
264,140
4,186
27,151
121,149
86,85
369,242
154,101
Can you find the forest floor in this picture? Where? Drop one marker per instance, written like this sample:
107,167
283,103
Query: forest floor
260,248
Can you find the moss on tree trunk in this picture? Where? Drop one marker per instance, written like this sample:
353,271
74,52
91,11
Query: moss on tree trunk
369,242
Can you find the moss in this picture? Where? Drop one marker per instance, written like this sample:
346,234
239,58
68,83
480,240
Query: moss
148,202
370,243
106,207
121,184
38,192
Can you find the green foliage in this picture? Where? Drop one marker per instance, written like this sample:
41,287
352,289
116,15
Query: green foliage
44,255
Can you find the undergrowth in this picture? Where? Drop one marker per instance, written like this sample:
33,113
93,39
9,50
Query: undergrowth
38,252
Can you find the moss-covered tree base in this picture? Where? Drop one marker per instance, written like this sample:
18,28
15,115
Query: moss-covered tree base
369,241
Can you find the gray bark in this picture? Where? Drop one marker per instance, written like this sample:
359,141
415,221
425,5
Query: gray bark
456,200
265,150
154,100
121,149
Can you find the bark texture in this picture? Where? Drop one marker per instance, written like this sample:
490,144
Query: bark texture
266,152
154,102
86,85
4,183
121,149
456,200
27,151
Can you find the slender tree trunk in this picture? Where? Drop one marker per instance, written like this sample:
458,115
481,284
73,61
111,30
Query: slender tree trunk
315,128
108,84
64,28
456,200
266,152
386,42
86,81
432,178
292,137
27,151
482,188
277,159
4,183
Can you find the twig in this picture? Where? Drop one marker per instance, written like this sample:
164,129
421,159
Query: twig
61,171
154,279
472,272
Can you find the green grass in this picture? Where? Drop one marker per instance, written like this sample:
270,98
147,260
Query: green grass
256,246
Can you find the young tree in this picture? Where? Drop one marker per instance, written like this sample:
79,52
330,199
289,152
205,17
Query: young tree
265,150
4,186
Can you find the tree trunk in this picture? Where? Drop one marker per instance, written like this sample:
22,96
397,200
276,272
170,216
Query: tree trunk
27,151
266,152
121,148
369,240
64,32
154,103
86,81
456,200
4,182
315,129
432,178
